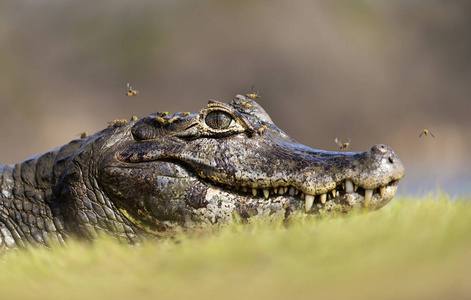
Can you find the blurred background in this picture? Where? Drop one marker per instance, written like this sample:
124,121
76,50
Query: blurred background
372,71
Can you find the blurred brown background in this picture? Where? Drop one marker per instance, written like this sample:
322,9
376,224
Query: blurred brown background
373,71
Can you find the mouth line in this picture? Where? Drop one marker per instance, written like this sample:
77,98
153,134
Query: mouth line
341,192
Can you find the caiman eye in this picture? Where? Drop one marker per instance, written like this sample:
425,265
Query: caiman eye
218,120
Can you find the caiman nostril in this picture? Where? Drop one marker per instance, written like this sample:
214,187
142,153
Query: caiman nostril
391,160
380,148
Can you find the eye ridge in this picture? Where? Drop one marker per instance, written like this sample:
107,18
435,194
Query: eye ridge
218,120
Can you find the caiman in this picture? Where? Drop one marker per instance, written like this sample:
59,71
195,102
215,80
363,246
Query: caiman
166,173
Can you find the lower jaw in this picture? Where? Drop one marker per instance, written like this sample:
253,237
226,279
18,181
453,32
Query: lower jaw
347,202
248,206
222,206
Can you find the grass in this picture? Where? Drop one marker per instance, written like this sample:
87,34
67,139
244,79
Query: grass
410,249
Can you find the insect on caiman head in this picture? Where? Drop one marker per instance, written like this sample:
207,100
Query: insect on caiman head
183,170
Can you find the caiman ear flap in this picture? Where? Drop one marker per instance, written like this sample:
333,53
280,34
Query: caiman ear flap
156,127
148,128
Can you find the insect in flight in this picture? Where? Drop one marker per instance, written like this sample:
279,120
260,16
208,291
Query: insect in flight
253,95
343,146
131,92
426,132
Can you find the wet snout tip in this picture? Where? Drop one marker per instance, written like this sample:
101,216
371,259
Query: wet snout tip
380,148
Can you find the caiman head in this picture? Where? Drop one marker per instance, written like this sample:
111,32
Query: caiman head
185,170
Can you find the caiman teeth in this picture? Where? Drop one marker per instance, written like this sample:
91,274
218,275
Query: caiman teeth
266,193
292,191
308,202
323,198
368,196
340,193
382,190
348,186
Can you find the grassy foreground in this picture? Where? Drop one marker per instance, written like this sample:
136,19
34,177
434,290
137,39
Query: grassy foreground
410,249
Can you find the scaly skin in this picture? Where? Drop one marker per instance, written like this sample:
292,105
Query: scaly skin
165,173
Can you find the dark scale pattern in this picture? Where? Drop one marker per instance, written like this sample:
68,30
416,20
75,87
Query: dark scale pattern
164,173
45,200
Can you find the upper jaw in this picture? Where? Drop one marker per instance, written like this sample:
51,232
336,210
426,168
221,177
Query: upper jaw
367,179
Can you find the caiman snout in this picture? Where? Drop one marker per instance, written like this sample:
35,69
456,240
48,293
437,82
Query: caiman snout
366,178
387,164
349,179
395,165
